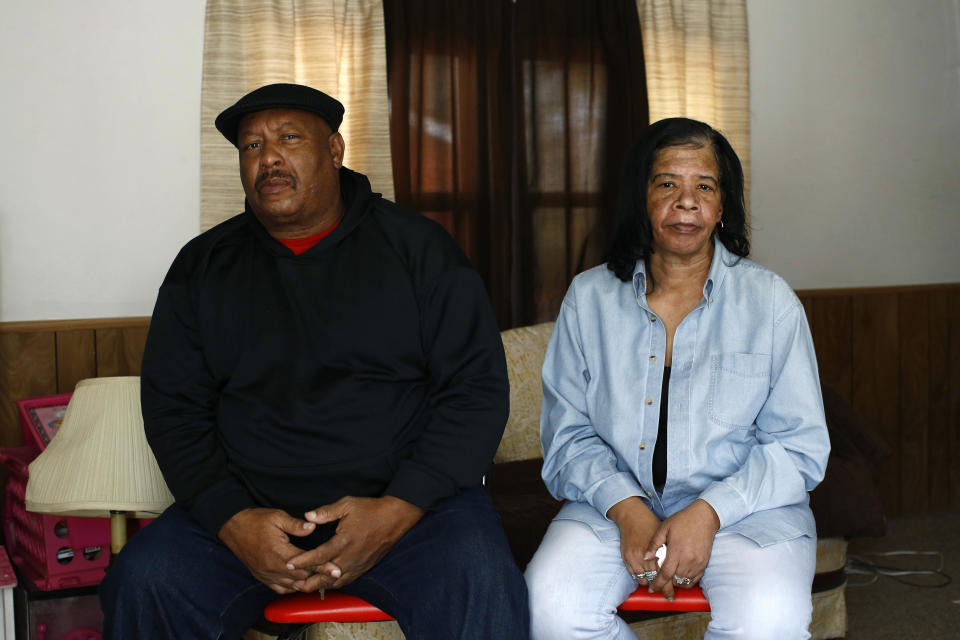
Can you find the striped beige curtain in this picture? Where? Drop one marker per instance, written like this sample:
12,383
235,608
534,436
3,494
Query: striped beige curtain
336,46
697,61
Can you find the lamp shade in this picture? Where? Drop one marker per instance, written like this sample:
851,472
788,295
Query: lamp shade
99,460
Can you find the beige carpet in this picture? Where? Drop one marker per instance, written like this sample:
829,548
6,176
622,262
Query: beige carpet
890,610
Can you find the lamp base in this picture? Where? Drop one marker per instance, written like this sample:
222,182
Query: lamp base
118,531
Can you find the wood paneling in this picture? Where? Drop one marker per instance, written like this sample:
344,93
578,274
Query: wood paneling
120,351
938,419
27,368
904,376
76,358
953,397
876,390
832,330
44,358
914,309
893,351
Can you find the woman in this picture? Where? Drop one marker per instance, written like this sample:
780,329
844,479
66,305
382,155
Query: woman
681,407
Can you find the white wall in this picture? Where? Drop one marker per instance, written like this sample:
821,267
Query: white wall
855,121
855,140
99,174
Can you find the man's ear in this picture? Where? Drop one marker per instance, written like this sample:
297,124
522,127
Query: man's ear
335,141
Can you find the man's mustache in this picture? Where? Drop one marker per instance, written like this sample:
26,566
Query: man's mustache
276,173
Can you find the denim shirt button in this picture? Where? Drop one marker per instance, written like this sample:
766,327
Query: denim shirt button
649,400
653,318
643,445
653,358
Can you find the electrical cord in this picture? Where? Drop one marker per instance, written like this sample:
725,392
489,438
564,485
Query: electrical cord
860,565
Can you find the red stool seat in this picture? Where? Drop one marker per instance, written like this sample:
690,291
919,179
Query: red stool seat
341,607
333,607
683,600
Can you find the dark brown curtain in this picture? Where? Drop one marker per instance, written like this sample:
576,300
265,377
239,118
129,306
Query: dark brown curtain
509,125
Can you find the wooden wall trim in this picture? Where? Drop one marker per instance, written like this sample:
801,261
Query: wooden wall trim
864,291
36,326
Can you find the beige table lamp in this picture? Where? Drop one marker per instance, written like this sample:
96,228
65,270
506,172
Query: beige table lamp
99,464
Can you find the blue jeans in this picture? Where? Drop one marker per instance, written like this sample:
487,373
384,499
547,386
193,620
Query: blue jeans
450,576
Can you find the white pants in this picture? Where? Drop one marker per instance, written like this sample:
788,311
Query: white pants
576,581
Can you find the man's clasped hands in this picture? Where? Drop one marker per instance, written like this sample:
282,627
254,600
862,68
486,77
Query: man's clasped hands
367,529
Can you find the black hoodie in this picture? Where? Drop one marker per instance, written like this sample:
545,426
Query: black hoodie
368,365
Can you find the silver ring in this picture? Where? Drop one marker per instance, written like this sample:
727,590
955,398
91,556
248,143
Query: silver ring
649,576
637,577
682,580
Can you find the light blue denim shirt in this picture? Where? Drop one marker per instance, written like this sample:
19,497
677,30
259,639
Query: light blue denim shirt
745,417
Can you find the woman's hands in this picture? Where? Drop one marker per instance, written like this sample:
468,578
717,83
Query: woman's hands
637,526
688,535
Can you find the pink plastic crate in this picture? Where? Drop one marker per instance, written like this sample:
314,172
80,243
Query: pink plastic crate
7,577
52,552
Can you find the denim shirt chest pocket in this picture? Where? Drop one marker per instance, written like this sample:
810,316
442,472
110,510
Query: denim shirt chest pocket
739,385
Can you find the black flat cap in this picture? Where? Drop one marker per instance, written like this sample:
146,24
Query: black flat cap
279,96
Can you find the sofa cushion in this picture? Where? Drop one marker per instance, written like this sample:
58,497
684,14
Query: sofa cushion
525,348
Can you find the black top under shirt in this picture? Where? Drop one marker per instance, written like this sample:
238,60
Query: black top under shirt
660,449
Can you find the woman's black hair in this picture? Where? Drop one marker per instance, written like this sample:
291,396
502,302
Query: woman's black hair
632,233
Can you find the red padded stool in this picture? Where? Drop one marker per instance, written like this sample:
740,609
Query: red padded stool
683,600
304,609
334,606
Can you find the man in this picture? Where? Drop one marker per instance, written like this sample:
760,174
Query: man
324,387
